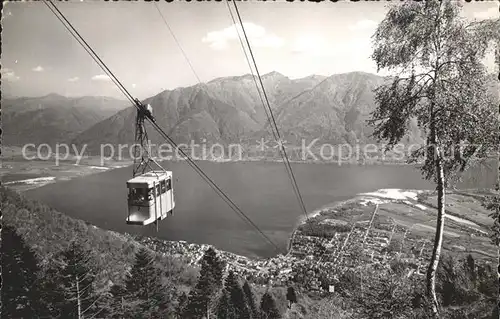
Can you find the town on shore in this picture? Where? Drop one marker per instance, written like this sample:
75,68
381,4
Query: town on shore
370,230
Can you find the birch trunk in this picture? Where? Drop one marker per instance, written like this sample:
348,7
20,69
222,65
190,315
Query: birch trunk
438,240
497,188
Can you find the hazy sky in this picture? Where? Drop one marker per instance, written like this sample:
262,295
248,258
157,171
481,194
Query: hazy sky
296,39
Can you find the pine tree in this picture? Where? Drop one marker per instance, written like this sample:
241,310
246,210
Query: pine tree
199,301
291,296
105,307
209,283
77,276
268,308
144,288
216,266
53,290
471,267
118,308
237,299
224,309
250,298
181,305
20,292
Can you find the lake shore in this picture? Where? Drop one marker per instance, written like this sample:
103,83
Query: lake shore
22,174
406,208
332,185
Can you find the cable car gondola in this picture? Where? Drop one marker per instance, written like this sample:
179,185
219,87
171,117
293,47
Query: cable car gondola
150,193
150,197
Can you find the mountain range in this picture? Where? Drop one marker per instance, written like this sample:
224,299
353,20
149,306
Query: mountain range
226,110
53,118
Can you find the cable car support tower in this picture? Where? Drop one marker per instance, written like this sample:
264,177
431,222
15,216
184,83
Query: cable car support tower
142,149
144,164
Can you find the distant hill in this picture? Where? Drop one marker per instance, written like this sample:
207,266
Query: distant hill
53,118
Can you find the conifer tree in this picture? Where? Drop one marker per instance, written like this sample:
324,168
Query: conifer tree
77,277
20,291
224,309
105,307
237,299
291,296
181,305
144,289
202,296
118,308
53,295
471,267
250,298
268,308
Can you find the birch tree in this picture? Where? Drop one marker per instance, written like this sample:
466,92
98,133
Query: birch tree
439,80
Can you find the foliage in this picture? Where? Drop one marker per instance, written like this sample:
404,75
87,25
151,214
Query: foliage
181,306
144,288
20,291
456,283
449,93
385,295
492,203
268,308
203,295
250,299
224,309
50,232
233,302
440,82
462,282
77,277
291,296
323,230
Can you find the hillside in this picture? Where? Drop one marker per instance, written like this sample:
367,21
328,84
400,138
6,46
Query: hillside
393,257
49,232
228,110
53,118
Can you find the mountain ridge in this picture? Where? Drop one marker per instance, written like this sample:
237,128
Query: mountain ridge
228,110
53,118
225,110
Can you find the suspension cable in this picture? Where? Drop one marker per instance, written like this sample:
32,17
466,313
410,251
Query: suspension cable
251,69
177,42
287,163
180,47
135,102
280,141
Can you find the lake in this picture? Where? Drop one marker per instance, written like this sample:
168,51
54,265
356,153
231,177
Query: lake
261,189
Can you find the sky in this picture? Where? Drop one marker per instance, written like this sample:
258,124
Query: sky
297,39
